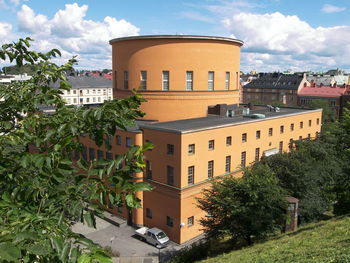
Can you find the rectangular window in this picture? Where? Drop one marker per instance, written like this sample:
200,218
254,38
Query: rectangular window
227,81
210,169
92,154
301,125
270,131
170,149
87,99
148,169
148,213
190,173
292,126
165,80
126,79
118,139
191,149
211,80
211,145
99,154
290,144
228,164
128,142
190,221
115,78
109,156
143,80
189,80
170,175
310,123
84,153
281,146
243,159
244,137
317,121
169,221
228,141
257,154
309,136
257,135
281,129
300,138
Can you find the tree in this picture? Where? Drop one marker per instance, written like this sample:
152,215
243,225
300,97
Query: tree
328,114
42,193
308,173
340,135
245,208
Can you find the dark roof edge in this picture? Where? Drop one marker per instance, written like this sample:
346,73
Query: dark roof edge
228,39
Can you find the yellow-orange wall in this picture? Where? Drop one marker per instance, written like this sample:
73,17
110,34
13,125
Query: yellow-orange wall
186,196
177,56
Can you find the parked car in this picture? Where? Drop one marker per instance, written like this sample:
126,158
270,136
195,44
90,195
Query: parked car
154,236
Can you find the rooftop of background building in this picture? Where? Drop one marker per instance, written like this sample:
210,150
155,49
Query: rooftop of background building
323,91
87,82
275,81
195,37
216,121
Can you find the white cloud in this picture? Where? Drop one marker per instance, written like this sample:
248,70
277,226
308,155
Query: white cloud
289,41
5,30
69,31
29,22
327,8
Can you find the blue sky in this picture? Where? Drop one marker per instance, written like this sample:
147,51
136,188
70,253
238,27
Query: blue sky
278,34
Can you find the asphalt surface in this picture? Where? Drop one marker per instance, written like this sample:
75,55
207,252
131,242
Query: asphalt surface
123,240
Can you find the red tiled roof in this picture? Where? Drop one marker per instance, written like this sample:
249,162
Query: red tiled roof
108,76
323,91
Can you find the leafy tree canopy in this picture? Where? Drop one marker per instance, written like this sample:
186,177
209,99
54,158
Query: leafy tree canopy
245,208
309,173
328,114
41,194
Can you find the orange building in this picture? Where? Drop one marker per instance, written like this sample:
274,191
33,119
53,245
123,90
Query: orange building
194,119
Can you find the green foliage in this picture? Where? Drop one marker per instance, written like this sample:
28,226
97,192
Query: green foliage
341,133
245,208
15,70
328,114
322,242
306,175
42,194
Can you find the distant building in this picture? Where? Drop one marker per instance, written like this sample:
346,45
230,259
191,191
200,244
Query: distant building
332,94
9,78
274,87
87,90
321,80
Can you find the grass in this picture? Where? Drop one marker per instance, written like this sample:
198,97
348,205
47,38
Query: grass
322,242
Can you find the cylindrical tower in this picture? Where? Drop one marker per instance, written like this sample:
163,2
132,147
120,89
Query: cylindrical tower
179,75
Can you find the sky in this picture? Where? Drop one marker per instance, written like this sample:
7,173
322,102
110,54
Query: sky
278,35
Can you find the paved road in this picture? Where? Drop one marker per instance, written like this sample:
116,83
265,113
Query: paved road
123,240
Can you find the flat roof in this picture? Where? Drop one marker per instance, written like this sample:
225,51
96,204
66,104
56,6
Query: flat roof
197,37
217,122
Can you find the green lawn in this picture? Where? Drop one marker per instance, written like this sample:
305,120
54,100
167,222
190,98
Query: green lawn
323,242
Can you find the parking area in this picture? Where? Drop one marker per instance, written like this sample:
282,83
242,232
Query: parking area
123,240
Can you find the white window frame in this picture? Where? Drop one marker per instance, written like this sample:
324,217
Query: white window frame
189,80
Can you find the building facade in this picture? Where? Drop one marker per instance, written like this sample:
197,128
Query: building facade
87,90
271,88
194,119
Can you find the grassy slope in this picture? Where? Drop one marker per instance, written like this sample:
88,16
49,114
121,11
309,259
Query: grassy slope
326,242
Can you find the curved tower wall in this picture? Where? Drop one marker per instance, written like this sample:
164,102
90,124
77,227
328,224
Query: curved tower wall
177,55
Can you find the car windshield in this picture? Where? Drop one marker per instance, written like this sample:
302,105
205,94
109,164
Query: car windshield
161,235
